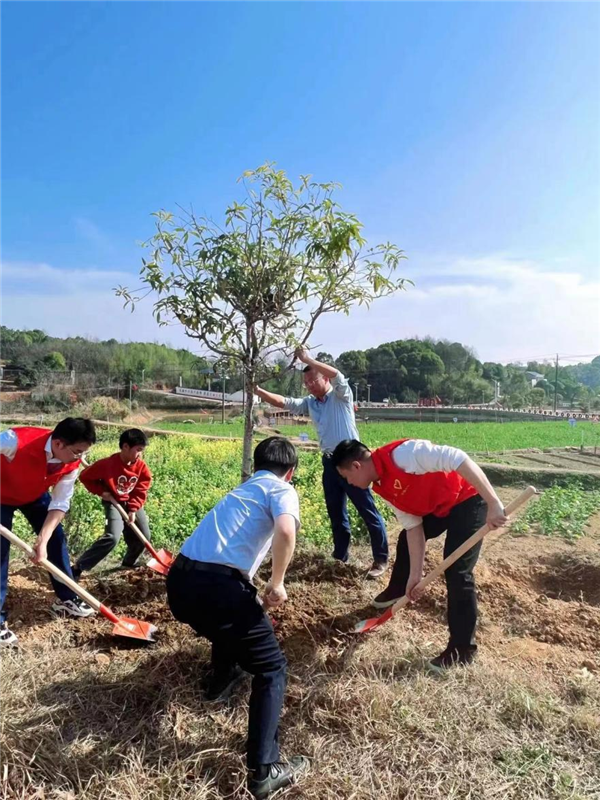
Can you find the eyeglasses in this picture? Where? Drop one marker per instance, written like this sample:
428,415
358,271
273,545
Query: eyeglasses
74,454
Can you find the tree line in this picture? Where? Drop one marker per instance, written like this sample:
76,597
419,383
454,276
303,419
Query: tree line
401,371
408,369
32,355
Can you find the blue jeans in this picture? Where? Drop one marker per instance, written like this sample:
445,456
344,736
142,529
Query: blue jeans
35,514
337,490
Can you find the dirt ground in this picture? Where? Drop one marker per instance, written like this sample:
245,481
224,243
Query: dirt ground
539,638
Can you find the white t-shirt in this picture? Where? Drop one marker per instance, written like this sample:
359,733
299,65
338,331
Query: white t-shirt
239,530
419,456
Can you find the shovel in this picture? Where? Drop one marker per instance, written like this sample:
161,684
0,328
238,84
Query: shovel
123,626
367,625
161,560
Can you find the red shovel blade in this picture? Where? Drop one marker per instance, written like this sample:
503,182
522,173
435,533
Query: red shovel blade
162,563
367,625
125,626
135,629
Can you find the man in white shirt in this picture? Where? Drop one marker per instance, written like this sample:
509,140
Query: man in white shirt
433,489
210,588
34,461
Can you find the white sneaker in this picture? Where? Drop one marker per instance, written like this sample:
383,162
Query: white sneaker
71,608
7,637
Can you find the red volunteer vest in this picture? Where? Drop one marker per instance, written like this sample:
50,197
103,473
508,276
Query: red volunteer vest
433,493
26,477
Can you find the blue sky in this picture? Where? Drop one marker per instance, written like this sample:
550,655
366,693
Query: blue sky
469,134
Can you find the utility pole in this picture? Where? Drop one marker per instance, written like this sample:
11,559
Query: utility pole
368,394
555,382
130,403
143,374
356,387
223,401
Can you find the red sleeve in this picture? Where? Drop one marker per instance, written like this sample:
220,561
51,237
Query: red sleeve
92,477
137,498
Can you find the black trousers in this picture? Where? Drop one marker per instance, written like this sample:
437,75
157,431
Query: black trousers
225,610
464,519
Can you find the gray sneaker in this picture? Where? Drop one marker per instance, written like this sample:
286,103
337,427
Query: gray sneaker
71,608
7,637
279,775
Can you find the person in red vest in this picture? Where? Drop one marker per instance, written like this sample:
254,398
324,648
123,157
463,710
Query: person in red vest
33,461
433,489
123,477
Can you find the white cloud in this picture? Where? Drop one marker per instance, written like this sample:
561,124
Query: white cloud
66,302
507,309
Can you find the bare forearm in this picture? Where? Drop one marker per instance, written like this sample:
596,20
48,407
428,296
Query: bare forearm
51,523
284,543
473,473
416,550
276,400
325,369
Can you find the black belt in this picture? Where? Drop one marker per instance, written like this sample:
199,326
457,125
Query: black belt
188,564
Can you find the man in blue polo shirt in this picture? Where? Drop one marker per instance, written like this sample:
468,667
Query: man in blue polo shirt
331,407
209,588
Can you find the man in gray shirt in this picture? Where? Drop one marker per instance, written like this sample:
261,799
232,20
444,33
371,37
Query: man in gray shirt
330,405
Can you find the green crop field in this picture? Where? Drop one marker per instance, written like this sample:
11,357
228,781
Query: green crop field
474,437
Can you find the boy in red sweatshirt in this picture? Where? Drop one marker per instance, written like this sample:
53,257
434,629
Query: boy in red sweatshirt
124,478
433,489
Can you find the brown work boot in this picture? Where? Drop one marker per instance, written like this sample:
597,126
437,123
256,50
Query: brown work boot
377,570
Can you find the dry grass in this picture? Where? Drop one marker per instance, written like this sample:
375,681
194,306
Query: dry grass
87,717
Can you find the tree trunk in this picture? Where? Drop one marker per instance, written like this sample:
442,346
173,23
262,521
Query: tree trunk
248,423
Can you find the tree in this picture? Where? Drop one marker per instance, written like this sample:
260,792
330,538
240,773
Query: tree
254,288
493,371
354,365
55,361
326,358
537,396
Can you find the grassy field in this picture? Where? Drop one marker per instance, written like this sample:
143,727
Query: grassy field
480,437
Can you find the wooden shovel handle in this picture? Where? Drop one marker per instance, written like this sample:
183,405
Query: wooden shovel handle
135,529
132,525
467,545
52,569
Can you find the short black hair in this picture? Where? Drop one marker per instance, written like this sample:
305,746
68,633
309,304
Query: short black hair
277,454
75,429
307,368
133,437
347,451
